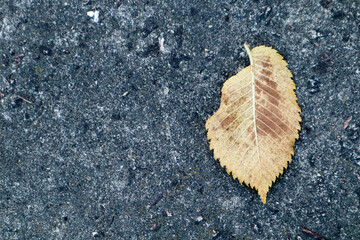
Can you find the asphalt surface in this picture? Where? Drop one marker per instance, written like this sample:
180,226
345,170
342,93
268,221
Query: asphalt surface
102,119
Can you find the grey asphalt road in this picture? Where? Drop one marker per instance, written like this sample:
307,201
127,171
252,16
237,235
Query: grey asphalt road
102,119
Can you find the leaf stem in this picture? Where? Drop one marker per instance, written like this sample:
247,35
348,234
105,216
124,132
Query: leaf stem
249,53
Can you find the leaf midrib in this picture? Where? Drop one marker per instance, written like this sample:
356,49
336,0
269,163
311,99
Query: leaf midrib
254,104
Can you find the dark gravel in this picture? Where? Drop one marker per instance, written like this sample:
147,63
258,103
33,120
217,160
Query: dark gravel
102,121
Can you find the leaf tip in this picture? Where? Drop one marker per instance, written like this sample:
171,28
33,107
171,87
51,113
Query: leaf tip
263,196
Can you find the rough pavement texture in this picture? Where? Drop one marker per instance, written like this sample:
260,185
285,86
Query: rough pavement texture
102,120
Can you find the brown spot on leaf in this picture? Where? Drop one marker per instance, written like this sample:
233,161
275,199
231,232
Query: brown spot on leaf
274,110
269,123
237,102
240,101
250,128
214,128
276,118
252,137
273,96
266,72
269,90
268,81
225,99
228,120
260,132
273,101
265,130
260,100
237,144
258,90
266,64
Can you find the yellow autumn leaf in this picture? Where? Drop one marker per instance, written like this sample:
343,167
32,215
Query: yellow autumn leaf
255,128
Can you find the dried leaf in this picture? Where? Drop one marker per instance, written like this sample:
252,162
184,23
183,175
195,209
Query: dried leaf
313,234
256,126
346,123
